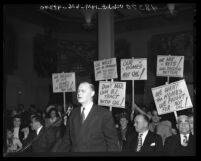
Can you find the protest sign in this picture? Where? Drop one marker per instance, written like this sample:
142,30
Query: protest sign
172,66
134,69
105,69
172,97
63,82
112,94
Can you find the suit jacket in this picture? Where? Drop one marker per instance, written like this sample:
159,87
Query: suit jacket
96,134
173,146
45,141
152,143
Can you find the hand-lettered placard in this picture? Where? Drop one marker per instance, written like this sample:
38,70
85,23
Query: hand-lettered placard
63,82
112,94
172,97
172,66
134,69
105,69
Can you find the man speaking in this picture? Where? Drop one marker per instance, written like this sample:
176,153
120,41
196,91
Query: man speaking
91,127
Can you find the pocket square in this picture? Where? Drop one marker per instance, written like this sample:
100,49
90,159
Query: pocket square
152,144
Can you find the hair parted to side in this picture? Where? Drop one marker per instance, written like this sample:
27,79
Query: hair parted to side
90,85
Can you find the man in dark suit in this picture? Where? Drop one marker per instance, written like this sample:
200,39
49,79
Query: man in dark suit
91,128
183,143
46,137
143,140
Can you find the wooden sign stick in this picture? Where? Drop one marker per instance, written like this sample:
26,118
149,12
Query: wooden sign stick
111,106
133,95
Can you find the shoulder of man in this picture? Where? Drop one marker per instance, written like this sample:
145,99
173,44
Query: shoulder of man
101,109
172,138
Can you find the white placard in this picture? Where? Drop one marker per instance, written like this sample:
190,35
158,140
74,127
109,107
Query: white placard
63,82
172,66
105,69
134,69
172,97
112,94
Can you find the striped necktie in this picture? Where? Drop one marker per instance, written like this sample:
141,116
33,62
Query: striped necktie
185,141
139,145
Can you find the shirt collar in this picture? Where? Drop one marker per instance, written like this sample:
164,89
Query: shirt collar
87,108
38,130
144,134
182,135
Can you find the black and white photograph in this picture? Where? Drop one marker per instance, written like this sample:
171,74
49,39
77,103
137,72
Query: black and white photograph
99,79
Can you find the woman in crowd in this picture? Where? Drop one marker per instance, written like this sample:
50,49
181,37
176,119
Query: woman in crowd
53,119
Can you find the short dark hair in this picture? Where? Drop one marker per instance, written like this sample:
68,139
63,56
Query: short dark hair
38,118
53,109
17,116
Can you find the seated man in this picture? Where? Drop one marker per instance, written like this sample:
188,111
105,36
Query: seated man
44,138
182,144
143,140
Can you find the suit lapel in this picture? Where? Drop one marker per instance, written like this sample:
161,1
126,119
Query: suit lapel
90,115
147,140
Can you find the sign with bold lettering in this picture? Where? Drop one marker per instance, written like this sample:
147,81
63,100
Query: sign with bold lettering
172,66
172,97
105,69
112,94
63,82
134,69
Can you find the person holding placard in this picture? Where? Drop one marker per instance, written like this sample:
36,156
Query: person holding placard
182,144
91,128
143,141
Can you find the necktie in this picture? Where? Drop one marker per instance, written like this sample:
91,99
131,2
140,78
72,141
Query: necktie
185,140
139,145
83,115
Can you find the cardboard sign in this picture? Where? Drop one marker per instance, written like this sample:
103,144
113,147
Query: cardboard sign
63,82
112,94
105,69
172,97
134,69
172,66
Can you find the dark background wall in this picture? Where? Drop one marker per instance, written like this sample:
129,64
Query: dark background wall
24,85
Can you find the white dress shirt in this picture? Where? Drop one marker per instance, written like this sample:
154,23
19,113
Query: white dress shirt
16,132
87,109
144,134
38,130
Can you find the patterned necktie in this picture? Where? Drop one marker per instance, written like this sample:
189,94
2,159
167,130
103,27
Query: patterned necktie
139,145
185,141
83,115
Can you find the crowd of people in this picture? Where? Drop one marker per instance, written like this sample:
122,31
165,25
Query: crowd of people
91,128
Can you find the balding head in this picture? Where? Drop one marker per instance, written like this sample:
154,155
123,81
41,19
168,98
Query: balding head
183,124
141,123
